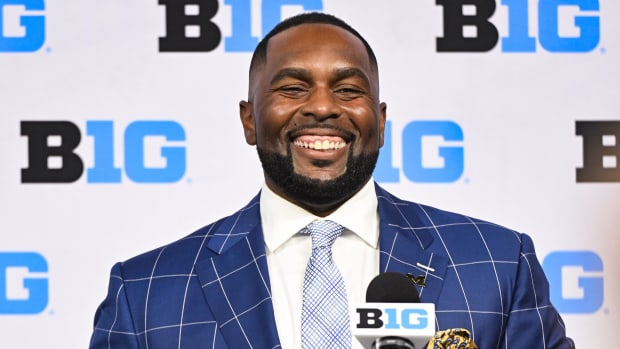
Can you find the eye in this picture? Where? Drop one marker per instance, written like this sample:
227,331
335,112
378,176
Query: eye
292,90
349,92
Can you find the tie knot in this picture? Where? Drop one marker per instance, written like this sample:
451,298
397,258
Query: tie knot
324,232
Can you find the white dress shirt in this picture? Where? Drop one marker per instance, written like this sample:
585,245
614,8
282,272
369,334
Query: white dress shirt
355,253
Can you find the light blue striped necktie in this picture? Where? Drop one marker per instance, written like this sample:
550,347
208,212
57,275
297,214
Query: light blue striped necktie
325,312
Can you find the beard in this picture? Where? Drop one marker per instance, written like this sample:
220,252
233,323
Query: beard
279,169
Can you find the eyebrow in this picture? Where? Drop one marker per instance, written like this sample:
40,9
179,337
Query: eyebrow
349,72
305,75
295,73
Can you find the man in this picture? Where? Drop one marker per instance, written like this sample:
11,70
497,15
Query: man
314,114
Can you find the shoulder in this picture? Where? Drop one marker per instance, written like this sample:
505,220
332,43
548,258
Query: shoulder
446,225
180,255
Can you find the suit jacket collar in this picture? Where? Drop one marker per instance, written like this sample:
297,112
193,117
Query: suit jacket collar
235,281
405,240
406,244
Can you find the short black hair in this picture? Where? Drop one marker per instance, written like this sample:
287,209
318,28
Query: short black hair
260,53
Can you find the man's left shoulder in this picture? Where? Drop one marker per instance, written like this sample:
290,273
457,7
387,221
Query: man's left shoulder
449,224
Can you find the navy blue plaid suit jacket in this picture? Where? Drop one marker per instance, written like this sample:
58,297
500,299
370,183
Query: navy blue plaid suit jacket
211,288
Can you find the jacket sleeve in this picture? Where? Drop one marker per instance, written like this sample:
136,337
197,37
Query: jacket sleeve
533,322
113,326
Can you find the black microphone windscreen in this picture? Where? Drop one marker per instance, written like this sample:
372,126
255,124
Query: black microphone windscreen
392,287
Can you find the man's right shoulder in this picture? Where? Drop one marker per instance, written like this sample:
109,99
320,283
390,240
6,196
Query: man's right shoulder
178,255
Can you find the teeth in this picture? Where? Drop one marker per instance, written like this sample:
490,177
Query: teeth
321,145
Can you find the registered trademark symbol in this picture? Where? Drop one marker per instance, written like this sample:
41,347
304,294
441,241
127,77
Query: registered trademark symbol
48,50
188,181
603,50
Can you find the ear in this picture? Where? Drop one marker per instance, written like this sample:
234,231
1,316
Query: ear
382,119
246,113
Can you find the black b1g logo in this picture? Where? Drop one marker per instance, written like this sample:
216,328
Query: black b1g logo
190,26
601,151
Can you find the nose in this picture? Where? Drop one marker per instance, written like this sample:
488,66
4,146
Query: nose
321,104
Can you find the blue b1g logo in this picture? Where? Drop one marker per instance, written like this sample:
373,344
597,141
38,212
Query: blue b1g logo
58,140
448,154
189,25
393,318
576,281
29,29
28,293
459,15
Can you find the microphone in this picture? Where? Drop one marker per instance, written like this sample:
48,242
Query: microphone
393,317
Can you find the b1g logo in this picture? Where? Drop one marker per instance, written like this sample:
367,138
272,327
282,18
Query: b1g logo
52,157
432,152
393,318
189,25
601,151
23,283
460,15
21,32
576,280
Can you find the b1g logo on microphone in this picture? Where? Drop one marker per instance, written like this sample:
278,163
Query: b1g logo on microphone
576,281
393,318
467,26
23,283
190,26
52,157
601,151
432,152
21,31
412,321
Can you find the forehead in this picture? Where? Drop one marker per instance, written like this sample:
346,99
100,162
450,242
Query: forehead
324,44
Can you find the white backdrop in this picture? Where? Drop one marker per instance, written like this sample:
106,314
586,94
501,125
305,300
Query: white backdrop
93,61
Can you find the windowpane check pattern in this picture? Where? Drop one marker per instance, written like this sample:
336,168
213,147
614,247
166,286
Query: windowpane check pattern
325,312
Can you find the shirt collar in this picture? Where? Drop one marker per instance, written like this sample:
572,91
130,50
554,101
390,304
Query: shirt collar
281,219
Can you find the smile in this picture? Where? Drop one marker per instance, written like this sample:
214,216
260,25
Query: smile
320,142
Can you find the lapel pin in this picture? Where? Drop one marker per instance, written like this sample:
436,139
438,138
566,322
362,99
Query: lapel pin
418,280
427,267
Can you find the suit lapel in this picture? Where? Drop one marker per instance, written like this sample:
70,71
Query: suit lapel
406,241
235,281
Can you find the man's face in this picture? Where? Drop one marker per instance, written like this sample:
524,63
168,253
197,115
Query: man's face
314,111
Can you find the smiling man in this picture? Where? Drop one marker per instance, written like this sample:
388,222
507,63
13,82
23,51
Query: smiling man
314,115
284,270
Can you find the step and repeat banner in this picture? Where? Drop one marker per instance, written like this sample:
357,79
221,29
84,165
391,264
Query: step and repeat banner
119,132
